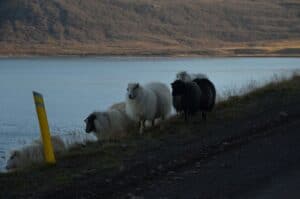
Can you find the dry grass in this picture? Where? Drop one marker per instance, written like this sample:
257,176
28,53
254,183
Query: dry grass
252,90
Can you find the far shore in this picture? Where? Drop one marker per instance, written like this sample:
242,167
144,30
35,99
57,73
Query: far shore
275,49
16,56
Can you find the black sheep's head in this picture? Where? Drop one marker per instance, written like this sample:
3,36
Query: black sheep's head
90,123
178,88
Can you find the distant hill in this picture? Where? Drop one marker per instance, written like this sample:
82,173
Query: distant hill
150,27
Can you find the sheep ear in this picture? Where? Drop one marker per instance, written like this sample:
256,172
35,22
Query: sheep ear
14,154
137,85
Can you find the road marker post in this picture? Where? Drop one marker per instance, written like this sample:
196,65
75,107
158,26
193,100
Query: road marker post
44,128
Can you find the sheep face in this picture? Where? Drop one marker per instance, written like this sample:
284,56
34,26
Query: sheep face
90,123
132,90
97,122
14,160
178,88
183,75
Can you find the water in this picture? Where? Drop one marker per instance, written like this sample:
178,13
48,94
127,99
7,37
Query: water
74,87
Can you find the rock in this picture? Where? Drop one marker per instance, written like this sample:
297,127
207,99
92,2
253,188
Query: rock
121,168
225,143
171,172
152,171
160,167
120,182
177,178
89,172
283,115
138,189
131,196
198,165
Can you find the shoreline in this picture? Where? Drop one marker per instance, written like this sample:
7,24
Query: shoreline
281,49
20,56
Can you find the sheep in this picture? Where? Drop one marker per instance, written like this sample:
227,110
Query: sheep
189,94
177,104
111,124
184,76
118,106
208,95
33,153
148,102
75,139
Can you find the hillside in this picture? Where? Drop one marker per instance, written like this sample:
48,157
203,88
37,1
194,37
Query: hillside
149,27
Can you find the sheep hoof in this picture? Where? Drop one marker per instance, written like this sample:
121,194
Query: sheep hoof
141,130
153,123
204,116
161,127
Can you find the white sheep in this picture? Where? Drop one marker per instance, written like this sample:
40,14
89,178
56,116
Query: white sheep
33,153
110,124
186,77
148,102
75,139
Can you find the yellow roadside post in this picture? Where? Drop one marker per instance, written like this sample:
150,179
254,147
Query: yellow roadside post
44,127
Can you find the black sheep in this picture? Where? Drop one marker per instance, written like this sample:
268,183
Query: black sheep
186,96
208,95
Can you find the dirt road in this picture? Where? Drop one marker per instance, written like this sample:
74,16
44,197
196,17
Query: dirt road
267,167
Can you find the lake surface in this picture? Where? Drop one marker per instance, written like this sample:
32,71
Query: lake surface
74,87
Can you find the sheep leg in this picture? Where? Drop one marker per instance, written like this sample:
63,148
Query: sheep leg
161,126
204,116
142,125
185,116
153,122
